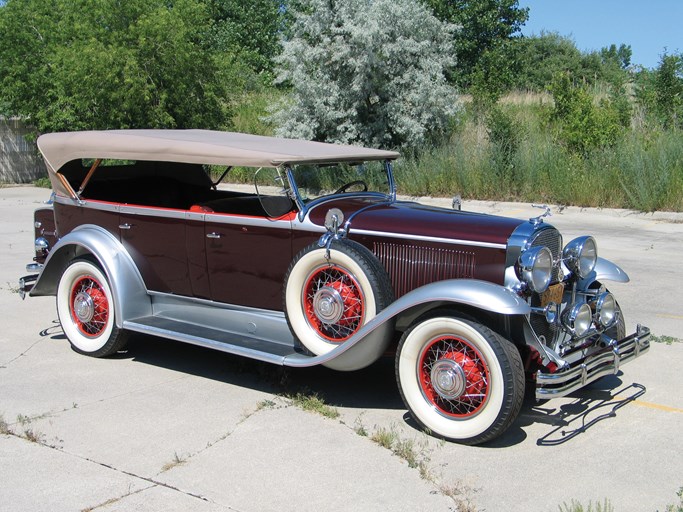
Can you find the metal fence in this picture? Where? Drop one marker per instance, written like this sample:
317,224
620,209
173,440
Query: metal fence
19,159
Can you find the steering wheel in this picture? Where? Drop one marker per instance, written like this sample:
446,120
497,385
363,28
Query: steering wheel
346,187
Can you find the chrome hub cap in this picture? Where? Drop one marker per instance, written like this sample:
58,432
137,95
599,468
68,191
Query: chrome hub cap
84,307
328,305
448,379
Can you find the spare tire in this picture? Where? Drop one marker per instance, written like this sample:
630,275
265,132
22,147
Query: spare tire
328,300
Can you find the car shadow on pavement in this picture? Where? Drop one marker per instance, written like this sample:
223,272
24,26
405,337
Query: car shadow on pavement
372,387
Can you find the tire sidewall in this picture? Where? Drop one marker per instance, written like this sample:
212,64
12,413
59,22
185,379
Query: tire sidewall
426,412
296,282
81,343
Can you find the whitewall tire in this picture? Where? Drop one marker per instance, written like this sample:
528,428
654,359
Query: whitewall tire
86,311
327,300
460,380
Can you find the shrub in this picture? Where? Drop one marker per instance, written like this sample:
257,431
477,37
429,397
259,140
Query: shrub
366,72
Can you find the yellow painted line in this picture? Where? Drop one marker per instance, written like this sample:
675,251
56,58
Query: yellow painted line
651,405
675,317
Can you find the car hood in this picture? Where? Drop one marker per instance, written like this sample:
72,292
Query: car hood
417,220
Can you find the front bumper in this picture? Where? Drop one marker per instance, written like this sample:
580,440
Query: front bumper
605,361
26,283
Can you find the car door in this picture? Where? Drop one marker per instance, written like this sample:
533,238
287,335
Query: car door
247,258
156,240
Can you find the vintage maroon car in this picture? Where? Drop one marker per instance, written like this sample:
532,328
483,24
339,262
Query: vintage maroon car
318,262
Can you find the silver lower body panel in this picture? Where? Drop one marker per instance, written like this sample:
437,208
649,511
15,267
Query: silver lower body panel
605,361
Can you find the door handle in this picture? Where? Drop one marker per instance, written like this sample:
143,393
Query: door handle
125,226
213,234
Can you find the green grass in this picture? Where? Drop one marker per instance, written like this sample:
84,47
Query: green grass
576,506
312,402
666,340
642,171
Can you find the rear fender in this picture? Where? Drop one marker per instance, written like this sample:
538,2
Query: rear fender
130,294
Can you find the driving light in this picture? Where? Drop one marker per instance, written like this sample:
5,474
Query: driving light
606,309
578,319
534,268
580,255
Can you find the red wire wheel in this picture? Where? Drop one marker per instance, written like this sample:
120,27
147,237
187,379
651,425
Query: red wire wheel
87,310
333,302
454,377
89,306
330,293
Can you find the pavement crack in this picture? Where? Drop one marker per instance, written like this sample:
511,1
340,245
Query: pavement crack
6,364
111,501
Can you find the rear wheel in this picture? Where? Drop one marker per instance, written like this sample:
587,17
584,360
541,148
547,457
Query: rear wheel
85,307
459,379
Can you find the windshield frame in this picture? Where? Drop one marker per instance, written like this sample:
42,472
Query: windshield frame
304,206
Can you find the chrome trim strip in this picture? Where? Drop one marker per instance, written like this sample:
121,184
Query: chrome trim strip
607,361
93,204
421,238
149,211
226,218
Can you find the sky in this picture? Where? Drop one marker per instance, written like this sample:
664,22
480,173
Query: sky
649,26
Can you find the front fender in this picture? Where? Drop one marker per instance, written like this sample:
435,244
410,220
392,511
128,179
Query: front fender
130,294
604,270
353,354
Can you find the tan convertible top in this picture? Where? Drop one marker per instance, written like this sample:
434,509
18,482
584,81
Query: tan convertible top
197,147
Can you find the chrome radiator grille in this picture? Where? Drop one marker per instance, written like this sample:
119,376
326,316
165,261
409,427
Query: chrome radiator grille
411,266
552,239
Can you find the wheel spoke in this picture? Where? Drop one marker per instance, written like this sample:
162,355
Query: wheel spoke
454,376
333,302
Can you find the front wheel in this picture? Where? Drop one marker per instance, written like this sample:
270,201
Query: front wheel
85,307
459,379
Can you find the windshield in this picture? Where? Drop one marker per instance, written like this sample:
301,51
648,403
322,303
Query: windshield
314,181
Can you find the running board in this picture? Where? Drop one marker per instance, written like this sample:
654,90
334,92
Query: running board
225,341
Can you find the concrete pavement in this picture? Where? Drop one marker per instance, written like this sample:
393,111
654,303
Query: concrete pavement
166,426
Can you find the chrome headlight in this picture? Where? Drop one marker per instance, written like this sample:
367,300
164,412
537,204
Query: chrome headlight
534,268
41,245
580,255
606,309
578,319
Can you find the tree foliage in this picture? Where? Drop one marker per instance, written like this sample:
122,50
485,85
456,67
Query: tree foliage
78,64
540,58
584,125
368,72
486,26
249,29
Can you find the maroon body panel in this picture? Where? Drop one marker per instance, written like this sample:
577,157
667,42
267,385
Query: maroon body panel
240,260
411,218
247,264
158,247
69,217
45,227
424,244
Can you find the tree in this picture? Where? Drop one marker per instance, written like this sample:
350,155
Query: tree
668,89
250,29
486,26
78,64
368,72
